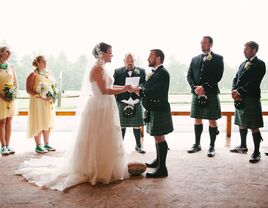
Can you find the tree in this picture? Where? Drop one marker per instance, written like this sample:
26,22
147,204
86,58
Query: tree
178,74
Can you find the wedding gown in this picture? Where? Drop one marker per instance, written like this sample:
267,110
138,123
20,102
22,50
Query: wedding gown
98,155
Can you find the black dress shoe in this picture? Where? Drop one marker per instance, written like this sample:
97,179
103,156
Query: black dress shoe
255,157
159,173
195,148
140,149
266,153
239,149
211,152
153,164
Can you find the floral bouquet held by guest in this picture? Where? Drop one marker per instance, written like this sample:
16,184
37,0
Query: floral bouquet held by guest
45,90
10,92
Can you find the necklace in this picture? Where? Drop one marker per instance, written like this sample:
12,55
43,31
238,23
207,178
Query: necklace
42,73
3,66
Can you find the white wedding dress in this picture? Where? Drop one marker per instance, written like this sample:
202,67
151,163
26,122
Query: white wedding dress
97,156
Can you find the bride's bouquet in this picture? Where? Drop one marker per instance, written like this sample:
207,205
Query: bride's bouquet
46,90
10,92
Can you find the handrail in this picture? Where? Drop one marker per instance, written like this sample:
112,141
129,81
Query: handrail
228,115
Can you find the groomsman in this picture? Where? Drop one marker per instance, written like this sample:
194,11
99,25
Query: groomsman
158,116
130,115
204,73
246,93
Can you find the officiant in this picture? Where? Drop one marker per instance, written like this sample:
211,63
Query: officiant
129,105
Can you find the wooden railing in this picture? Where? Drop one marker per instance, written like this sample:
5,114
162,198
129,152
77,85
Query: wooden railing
228,115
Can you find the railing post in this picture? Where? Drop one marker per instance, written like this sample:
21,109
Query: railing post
60,90
228,124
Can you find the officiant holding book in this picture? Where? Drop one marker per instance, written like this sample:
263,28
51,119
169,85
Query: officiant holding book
129,105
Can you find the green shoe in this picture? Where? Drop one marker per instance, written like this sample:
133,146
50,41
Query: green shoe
4,151
49,148
10,149
40,149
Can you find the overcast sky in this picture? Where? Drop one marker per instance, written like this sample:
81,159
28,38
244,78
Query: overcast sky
175,26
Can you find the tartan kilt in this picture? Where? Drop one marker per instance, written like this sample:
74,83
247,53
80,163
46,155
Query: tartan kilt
211,112
136,120
251,115
160,123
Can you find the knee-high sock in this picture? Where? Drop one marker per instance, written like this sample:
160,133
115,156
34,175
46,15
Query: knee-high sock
257,140
123,132
198,129
156,161
213,133
137,134
162,152
243,136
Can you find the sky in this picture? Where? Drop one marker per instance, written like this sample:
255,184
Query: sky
175,26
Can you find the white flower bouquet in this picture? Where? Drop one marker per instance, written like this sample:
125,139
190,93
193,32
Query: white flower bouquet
46,90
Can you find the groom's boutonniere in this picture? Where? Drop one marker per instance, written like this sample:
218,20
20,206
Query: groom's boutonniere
207,57
248,65
149,76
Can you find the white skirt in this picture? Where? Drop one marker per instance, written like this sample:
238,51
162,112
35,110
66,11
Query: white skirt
97,156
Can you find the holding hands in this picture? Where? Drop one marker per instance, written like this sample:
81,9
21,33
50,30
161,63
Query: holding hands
131,89
128,88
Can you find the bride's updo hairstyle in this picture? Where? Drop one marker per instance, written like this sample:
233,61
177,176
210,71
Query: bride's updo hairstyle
99,49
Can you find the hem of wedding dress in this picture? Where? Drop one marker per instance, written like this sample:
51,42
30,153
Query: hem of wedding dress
66,189
17,173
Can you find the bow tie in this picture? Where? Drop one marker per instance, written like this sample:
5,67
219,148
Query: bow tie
130,70
153,70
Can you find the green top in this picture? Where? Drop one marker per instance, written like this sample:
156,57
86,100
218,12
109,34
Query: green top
4,66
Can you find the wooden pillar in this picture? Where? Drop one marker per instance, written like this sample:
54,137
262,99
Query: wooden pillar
228,124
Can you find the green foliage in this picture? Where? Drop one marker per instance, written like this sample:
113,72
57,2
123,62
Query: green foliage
178,76
73,71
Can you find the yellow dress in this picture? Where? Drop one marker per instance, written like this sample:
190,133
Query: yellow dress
7,109
41,113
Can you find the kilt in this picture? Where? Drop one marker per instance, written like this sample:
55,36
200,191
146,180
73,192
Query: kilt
136,120
211,112
251,115
160,123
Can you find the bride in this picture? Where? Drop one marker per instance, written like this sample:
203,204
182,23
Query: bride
98,155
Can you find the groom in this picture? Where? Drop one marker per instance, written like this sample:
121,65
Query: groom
155,101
